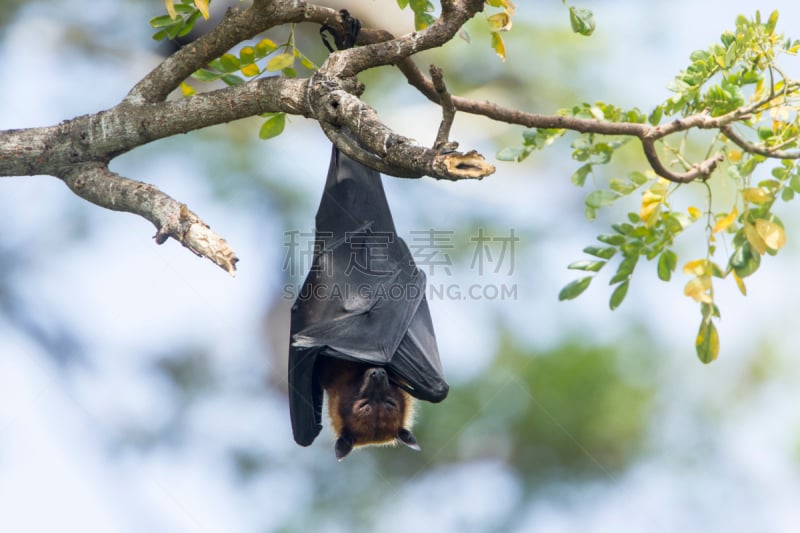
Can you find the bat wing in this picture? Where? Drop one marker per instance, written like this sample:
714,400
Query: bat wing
363,300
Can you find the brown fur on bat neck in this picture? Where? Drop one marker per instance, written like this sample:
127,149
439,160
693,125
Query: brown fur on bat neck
365,407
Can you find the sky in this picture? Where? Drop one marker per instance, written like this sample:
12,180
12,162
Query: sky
125,296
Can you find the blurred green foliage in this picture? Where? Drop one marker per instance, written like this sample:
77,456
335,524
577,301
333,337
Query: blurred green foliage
562,413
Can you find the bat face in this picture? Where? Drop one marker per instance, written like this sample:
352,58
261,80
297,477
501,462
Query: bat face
364,406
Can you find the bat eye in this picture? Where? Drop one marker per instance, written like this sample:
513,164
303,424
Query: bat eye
362,407
390,404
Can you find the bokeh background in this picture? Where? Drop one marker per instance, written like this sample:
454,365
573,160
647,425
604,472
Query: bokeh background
142,389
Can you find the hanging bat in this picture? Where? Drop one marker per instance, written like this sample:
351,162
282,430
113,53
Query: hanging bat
360,329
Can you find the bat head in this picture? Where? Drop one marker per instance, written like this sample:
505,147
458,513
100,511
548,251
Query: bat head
366,408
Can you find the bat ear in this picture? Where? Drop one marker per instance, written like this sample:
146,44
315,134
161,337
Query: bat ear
344,445
407,438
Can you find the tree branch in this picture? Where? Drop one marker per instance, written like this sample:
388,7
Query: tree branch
235,27
388,152
97,184
333,106
346,63
448,109
647,134
747,146
107,134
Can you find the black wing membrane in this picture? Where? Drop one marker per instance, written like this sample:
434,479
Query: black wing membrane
363,299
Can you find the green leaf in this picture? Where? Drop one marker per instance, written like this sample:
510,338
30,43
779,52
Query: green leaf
247,55
667,263
601,154
161,21
423,20
421,6
587,266
780,173
579,176
745,261
613,240
600,198
232,79
574,289
172,31
189,25
402,3
205,75
511,154
794,183
581,20
622,186
772,21
638,178
273,126
280,62
622,229
625,269
730,55
306,62
184,9
531,136
230,63
602,253
618,295
707,342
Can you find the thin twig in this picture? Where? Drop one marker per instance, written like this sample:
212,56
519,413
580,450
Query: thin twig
448,109
747,146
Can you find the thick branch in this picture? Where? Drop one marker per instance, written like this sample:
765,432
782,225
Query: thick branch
97,184
377,146
104,135
388,152
235,27
455,13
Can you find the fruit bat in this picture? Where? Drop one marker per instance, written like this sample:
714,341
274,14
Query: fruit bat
360,327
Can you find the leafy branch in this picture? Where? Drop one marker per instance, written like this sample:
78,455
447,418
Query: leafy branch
737,88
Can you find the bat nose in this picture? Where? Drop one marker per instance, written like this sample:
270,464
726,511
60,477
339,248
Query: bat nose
377,373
